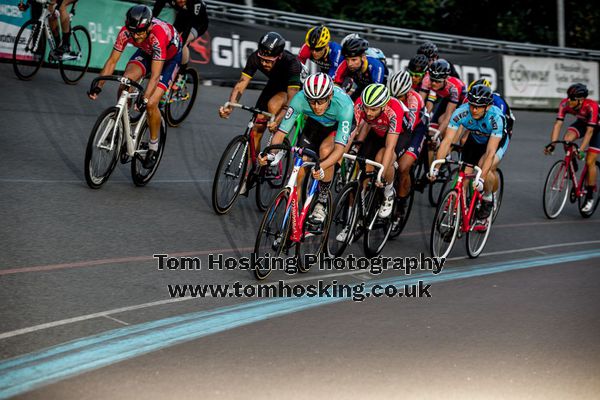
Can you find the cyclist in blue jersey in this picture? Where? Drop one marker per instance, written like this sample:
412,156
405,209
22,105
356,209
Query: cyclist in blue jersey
358,70
499,102
330,113
321,50
487,140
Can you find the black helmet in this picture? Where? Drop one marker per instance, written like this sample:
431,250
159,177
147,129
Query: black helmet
138,18
271,45
439,69
429,49
577,91
418,63
480,95
355,47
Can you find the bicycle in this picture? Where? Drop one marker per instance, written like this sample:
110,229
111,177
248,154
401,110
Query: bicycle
179,102
105,145
561,177
285,224
356,212
28,60
456,215
231,170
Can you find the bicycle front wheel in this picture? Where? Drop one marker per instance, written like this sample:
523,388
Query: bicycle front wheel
498,194
377,229
74,63
556,189
230,174
29,50
437,187
446,223
478,235
271,179
182,100
344,220
140,175
103,148
273,234
314,236
582,199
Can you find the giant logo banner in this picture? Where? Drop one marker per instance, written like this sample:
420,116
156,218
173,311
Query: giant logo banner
543,82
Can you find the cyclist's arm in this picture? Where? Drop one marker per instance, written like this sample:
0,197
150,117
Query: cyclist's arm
556,130
389,153
110,65
156,69
446,117
450,137
239,88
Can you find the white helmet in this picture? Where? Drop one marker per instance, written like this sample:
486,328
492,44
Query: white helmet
318,86
399,83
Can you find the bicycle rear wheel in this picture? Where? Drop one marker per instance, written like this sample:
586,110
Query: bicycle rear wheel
74,64
314,238
27,60
102,151
556,189
445,225
140,175
582,199
343,220
230,174
181,101
478,235
273,233
377,229
498,194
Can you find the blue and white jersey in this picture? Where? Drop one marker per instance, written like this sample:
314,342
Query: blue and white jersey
491,124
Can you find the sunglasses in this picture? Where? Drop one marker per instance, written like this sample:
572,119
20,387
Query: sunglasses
437,80
416,73
318,102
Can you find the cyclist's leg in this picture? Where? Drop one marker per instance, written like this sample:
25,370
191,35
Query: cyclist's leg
502,148
136,68
65,23
575,131
54,22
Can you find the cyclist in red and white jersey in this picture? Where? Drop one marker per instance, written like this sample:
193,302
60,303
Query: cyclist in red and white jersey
159,52
586,126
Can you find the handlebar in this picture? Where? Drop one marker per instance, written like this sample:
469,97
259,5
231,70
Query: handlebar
434,133
460,163
121,79
565,142
370,162
253,110
298,150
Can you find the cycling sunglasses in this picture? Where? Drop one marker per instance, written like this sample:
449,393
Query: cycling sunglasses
319,102
411,73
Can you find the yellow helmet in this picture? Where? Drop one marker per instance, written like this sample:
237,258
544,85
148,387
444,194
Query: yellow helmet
317,37
481,81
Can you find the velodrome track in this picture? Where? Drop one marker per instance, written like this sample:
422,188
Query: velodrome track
85,313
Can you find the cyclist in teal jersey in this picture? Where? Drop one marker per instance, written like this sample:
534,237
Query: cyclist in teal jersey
330,112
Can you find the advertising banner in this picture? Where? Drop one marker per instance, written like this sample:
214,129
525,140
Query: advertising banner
542,82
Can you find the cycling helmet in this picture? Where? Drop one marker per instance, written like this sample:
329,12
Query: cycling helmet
429,49
375,95
138,18
271,45
399,84
480,95
481,81
354,47
439,69
418,63
577,91
348,37
317,37
318,86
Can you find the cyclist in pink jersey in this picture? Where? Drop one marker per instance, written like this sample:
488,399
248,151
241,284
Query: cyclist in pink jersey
159,52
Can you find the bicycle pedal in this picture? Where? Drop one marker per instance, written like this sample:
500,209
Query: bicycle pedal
315,229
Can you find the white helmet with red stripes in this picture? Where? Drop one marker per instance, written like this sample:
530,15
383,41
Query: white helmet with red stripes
318,86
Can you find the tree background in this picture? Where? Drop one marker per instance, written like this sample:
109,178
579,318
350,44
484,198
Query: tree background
526,21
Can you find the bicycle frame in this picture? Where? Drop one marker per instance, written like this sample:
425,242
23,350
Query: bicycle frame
569,154
45,25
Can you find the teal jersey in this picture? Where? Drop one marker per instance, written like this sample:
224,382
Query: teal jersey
340,111
492,123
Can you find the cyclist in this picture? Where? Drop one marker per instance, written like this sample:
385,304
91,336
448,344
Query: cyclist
372,52
486,143
417,68
329,113
586,125
382,120
63,46
191,21
443,91
358,70
158,51
319,48
430,50
282,69
400,85
499,102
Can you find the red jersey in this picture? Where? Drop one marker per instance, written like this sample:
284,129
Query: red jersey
588,111
163,41
415,104
393,118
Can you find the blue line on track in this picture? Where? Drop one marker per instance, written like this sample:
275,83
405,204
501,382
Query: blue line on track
30,371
